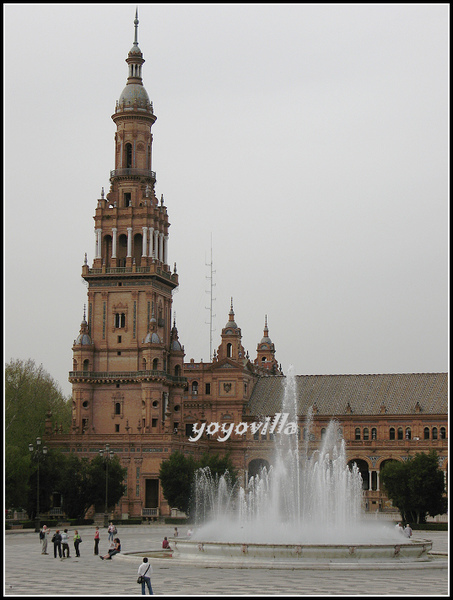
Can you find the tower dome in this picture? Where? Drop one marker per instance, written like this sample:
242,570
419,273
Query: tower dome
134,95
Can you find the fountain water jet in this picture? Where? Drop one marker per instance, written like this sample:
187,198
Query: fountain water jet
304,506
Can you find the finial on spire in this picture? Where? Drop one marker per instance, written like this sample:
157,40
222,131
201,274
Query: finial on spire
136,27
84,312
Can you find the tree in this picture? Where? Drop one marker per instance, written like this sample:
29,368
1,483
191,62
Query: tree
176,476
416,487
178,472
30,393
96,480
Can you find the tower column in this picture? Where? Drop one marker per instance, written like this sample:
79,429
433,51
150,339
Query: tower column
161,247
114,232
97,253
129,242
165,248
145,240
156,241
151,236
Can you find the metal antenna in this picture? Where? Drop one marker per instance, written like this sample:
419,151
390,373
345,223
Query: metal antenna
210,292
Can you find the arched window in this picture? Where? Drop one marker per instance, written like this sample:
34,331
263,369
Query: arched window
128,156
434,433
366,433
443,433
408,433
117,408
400,433
194,388
392,433
426,433
155,364
357,433
374,433
177,370
86,365
229,350
323,433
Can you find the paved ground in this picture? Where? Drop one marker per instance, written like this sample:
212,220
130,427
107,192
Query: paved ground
29,573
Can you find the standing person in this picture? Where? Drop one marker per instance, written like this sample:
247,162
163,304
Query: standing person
145,571
77,540
56,539
111,532
408,531
399,528
65,543
112,551
43,537
176,532
96,540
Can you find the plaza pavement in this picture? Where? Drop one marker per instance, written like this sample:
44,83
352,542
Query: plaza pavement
29,573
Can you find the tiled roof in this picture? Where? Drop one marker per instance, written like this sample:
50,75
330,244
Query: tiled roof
366,394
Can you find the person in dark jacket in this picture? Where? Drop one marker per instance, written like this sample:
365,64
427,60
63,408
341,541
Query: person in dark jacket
56,539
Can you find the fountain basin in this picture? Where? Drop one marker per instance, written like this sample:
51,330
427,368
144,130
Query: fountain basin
199,550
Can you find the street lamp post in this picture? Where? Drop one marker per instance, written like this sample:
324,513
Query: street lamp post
107,454
36,453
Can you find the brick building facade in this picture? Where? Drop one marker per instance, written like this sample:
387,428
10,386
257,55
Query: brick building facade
133,390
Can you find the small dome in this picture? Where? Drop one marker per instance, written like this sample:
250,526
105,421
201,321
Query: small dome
135,50
134,93
152,338
83,339
175,345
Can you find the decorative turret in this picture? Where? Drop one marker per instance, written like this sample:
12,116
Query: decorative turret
266,353
231,346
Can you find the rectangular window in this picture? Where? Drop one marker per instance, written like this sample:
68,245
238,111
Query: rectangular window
119,339
127,198
153,422
117,428
208,389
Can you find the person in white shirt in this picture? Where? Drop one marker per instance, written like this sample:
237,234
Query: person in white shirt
65,543
144,571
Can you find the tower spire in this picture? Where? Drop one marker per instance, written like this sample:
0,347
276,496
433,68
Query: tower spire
136,27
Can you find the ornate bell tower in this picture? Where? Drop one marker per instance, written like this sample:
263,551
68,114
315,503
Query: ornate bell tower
127,360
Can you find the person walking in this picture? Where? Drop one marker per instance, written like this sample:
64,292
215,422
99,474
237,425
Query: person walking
144,576
96,540
65,543
43,536
56,539
408,531
77,540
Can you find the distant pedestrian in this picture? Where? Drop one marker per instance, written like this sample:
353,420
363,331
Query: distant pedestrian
77,541
144,572
408,531
112,551
56,539
96,540
43,536
112,532
65,544
399,528
176,532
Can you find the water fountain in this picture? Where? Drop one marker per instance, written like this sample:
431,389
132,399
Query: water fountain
305,507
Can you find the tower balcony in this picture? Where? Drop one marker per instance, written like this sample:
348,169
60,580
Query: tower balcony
156,270
125,376
126,173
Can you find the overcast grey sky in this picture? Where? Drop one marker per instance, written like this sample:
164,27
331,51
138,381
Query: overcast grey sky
309,141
